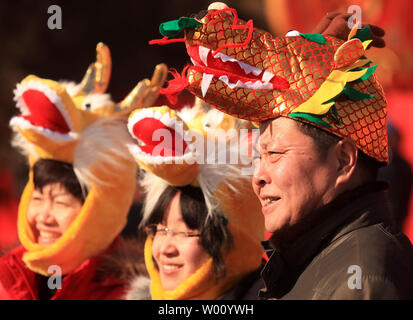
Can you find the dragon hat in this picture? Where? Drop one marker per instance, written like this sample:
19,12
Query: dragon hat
81,125
314,78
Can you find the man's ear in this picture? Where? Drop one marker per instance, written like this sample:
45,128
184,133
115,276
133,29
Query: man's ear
346,154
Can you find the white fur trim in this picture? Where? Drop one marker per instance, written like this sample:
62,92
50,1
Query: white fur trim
187,114
100,146
72,87
97,101
23,124
154,187
139,289
211,176
136,151
213,119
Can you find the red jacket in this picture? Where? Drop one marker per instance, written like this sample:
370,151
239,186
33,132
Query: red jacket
17,282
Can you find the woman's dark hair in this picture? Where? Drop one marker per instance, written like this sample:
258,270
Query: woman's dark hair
47,171
215,235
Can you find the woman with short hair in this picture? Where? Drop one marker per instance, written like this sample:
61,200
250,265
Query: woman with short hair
202,221
76,201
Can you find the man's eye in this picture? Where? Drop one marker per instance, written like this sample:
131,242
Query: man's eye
274,154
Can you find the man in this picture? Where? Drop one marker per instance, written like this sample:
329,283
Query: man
322,118
333,236
333,233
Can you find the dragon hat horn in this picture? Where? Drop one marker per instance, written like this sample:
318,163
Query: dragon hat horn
96,79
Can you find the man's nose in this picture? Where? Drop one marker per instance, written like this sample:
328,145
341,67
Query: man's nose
260,177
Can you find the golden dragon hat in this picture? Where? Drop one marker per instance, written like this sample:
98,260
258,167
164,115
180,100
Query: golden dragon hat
81,125
313,78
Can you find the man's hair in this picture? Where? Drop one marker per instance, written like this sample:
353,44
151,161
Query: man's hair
215,235
48,171
324,140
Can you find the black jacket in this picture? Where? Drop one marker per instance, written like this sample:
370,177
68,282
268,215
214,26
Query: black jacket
355,251
246,289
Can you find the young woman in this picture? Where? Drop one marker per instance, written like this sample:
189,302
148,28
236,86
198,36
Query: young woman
55,204
75,203
202,221
56,200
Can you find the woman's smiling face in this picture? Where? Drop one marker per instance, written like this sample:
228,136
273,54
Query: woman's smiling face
51,211
176,256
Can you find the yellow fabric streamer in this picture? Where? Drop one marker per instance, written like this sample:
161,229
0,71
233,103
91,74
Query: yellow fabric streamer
332,86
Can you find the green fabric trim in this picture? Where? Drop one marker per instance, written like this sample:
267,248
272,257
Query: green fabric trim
335,115
174,27
315,37
334,111
310,117
356,95
363,34
370,71
368,74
